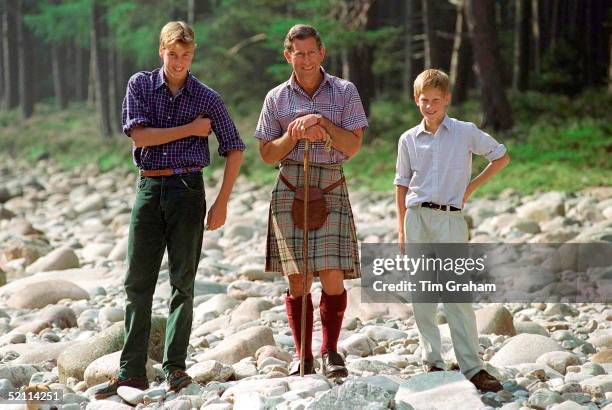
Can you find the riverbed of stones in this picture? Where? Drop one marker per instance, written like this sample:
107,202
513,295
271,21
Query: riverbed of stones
63,237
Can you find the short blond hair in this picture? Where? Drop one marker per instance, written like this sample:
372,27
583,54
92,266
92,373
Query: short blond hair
431,78
176,31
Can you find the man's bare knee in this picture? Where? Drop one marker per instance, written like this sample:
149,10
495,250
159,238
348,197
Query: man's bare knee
296,285
332,282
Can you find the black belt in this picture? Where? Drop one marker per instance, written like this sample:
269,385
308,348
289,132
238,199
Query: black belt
440,207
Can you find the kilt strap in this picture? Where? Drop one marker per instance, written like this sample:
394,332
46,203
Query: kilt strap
325,190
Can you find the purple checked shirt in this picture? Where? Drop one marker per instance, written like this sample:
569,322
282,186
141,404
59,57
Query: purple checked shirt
336,99
149,102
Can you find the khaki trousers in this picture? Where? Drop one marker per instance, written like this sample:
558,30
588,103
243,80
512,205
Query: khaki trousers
425,225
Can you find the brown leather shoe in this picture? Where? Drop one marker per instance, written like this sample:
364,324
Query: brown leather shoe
429,368
177,380
111,388
485,382
333,365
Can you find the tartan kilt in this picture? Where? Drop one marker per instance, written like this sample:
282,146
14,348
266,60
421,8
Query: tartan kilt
332,246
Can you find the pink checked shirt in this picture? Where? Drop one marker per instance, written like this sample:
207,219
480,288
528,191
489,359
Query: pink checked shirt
336,99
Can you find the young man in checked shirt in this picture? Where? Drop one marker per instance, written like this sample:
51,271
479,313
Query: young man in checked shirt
434,163
169,114
326,110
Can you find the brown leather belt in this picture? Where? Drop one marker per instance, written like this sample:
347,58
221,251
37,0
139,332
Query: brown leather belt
432,205
166,172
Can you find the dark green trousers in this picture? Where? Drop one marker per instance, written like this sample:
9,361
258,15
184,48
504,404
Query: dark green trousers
168,213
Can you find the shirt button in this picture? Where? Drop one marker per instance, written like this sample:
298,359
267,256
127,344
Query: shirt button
164,153
170,98
168,117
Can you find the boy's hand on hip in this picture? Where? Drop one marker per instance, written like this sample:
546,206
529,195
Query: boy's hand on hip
216,216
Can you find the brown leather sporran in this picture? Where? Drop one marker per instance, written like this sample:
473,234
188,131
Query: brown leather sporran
317,208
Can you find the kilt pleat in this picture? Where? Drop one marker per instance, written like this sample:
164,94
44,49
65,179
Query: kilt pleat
332,246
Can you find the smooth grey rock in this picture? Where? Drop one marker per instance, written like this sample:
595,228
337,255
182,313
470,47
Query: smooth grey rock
240,345
209,370
74,361
524,348
58,259
17,374
218,304
379,333
358,344
243,289
495,319
530,327
559,360
46,292
542,398
131,394
249,310
104,368
440,391
352,395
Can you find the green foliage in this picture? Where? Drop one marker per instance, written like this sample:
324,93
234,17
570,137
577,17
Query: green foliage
60,22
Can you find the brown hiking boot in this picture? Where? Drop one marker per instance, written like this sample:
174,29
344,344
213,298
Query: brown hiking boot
429,368
485,382
333,365
177,380
113,384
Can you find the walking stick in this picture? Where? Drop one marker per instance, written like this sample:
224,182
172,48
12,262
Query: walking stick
305,257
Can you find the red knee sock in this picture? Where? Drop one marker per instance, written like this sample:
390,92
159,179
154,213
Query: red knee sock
294,311
332,312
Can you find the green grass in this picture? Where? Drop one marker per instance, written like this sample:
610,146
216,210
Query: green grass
557,143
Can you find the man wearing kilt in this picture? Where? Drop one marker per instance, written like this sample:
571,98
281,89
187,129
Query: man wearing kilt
327,111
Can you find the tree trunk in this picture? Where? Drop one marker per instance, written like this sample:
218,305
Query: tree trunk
360,73
80,78
407,72
112,90
191,6
10,69
24,46
520,71
436,47
58,78
480,17
357,63
610,66
2,89
100,61
461,59
535,33
91,80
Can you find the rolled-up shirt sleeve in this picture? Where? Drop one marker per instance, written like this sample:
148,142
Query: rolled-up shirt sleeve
485,145
353,114
223,126
134,110
268,127
403,171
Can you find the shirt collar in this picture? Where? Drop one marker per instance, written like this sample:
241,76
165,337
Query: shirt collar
294,84
160,80
446,122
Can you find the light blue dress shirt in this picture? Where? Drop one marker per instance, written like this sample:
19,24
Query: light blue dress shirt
437,167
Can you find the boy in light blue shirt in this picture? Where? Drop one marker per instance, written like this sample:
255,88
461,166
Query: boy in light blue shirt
434,164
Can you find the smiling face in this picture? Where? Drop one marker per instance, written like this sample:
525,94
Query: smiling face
305,58
177,59
432,103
